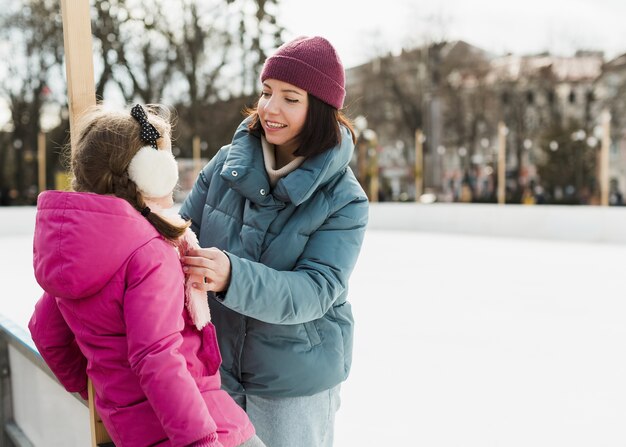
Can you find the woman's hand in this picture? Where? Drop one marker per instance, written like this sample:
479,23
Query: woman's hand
210,263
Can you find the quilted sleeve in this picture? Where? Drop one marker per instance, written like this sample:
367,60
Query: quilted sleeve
57,345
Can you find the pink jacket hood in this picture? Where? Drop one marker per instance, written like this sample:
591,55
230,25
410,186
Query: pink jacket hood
72,256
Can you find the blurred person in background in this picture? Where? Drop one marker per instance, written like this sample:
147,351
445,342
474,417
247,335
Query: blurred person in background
616,198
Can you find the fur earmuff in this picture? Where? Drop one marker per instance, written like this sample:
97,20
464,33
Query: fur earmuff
155,172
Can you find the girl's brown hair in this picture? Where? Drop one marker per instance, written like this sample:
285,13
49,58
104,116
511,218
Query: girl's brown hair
321,129
107,142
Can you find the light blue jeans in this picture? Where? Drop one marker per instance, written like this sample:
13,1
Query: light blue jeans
307,421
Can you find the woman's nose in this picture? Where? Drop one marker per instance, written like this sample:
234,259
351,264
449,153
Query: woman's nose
270,105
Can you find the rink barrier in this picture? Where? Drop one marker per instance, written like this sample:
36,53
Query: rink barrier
35,409
553,222
567,223
12,435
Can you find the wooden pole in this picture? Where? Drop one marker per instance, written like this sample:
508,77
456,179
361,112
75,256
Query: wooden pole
362,161
501,163
81,90
419,164
196,153
41,160
99,434
81,93
374,181
604,158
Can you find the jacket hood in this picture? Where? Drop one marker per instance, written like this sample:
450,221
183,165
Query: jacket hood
245,170
82,239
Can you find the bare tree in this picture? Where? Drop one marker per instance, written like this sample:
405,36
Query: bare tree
106,31
36,38
258,30
135,54
219,49
201,42
203,53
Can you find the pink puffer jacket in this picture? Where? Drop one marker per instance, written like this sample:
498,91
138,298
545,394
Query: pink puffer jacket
113,310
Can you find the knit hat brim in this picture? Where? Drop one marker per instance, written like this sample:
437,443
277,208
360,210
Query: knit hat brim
306,77
312,64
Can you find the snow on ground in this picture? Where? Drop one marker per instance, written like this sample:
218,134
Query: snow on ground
463,341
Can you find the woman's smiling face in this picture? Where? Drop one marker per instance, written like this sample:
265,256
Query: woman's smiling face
282,109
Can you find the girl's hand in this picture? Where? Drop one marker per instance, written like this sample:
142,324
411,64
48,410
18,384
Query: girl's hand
212,264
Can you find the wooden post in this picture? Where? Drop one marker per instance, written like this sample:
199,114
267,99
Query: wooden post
196,153
99,434
362,161
419,164
374,181
81,90
604,158
81,93
501,163
41,160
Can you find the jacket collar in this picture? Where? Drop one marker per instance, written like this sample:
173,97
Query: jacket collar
244,169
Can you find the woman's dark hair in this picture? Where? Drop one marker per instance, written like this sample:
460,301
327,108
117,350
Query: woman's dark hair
321,130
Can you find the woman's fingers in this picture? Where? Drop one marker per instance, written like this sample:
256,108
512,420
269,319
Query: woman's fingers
210,263
198,271
207,253
195,261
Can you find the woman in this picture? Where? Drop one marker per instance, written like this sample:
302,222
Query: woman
284,218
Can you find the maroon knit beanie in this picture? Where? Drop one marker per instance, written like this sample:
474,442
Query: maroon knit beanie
312,64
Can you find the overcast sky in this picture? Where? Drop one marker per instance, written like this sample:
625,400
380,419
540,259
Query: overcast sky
359,28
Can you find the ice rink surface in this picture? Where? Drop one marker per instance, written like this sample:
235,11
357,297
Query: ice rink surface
464,341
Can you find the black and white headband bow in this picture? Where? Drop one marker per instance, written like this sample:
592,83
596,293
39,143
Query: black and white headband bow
149,134
154,171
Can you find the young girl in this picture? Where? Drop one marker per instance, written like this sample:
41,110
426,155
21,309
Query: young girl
114,303
290,215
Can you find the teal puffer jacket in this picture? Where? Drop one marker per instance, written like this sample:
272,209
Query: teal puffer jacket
284,325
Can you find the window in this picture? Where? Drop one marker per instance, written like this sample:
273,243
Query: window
572,96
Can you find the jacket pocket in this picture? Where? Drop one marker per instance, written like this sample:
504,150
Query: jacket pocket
210,353
312,333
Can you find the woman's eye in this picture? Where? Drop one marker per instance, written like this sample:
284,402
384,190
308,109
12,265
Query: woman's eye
265,94
292,101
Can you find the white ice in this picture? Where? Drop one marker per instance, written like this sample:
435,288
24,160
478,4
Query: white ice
463,341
